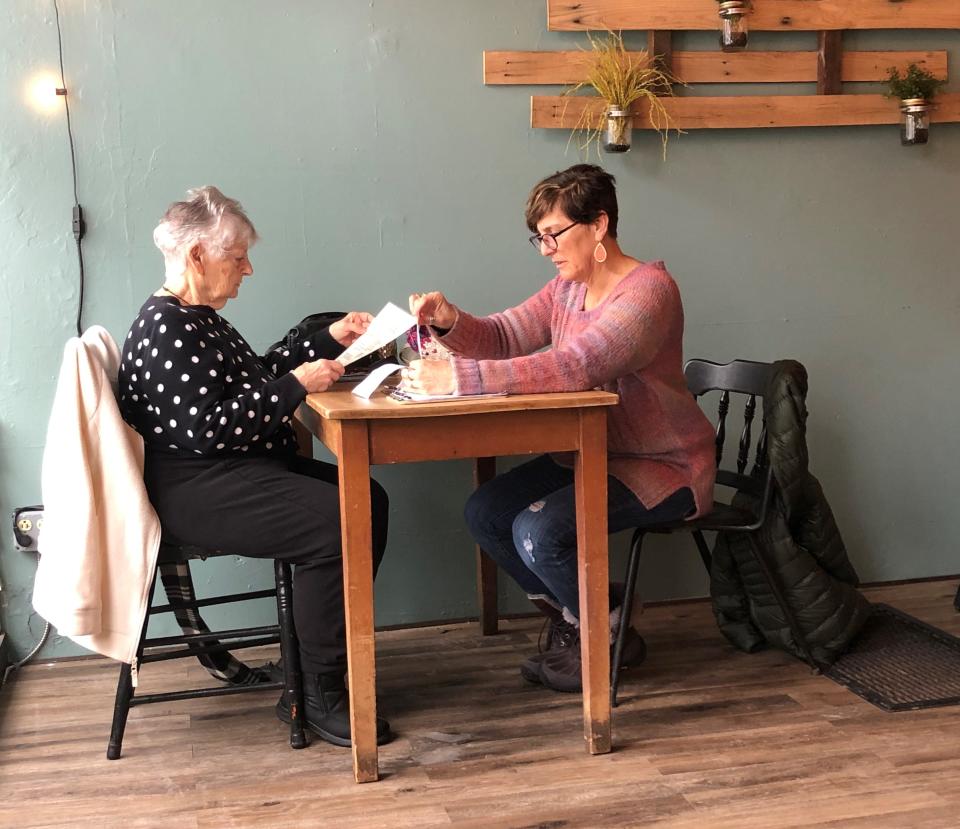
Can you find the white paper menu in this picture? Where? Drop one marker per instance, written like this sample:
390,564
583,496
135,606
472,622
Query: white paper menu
389,324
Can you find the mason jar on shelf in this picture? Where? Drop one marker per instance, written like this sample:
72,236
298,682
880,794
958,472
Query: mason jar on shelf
915,124
618,130
733,25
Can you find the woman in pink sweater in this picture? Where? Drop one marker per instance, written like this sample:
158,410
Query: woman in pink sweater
606,320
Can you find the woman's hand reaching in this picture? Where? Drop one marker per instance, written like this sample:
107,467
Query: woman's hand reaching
346,330
433,309
318,375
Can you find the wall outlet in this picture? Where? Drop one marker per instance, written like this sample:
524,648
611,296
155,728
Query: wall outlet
27,522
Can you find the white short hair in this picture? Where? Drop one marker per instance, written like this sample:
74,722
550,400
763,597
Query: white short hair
208,217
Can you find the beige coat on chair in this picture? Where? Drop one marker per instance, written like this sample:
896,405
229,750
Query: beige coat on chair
100,536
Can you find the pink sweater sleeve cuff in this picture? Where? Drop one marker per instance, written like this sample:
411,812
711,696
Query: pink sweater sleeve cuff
467,376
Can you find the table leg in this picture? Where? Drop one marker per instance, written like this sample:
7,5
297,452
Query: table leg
484,469
354,476
591,494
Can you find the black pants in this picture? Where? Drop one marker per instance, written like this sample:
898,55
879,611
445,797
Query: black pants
267,507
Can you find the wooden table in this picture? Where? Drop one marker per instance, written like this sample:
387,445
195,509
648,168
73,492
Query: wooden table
365,432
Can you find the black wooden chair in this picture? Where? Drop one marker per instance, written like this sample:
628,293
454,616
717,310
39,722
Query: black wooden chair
738,377
201,641
205,642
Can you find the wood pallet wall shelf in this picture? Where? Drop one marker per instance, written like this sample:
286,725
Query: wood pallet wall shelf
829,66
563,68
770,15
747,111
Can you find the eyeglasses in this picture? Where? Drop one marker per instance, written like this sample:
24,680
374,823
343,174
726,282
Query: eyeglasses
548,240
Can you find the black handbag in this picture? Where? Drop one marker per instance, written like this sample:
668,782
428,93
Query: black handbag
311,326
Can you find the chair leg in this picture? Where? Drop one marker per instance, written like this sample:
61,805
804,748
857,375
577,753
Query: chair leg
290,653
121,708
788,613
703,549
633,567
956,600
125,690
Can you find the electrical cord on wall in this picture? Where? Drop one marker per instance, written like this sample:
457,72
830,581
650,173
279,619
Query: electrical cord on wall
19,664
78,230
78,224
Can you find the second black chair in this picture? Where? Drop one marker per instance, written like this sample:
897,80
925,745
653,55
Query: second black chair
746,378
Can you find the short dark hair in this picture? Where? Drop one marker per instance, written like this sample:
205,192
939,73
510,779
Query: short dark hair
583,192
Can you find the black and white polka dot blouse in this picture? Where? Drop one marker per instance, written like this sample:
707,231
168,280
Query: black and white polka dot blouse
190,384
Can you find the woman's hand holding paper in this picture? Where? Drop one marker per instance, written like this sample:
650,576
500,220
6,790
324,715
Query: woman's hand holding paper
347,329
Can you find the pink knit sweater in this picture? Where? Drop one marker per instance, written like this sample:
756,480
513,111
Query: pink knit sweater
658,439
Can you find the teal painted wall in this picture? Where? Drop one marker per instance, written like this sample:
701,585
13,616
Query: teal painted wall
374,163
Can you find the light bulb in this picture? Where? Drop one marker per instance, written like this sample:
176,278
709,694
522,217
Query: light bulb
42,92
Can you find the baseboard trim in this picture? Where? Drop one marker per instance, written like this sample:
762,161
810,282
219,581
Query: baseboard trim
897,582
460,620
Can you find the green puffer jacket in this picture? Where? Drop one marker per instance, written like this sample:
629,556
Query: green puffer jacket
799,539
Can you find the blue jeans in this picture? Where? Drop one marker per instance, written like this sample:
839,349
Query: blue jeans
526,522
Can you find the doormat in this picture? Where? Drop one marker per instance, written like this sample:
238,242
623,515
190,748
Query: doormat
899,663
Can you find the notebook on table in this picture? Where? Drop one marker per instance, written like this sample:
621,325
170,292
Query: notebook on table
401,395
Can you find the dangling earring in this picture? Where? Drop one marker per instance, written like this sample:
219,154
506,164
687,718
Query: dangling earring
600,253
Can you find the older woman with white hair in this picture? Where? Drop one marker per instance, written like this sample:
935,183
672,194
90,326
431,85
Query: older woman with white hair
221,466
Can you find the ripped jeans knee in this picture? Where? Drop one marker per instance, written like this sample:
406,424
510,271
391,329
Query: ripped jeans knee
548,549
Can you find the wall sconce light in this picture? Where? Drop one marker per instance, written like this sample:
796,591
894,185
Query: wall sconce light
733,25
44,93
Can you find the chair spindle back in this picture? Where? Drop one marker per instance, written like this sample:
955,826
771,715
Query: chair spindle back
742,377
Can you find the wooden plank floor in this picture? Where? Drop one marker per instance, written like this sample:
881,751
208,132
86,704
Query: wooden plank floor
706,737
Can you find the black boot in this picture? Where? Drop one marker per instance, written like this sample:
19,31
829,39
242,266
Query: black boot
559,634
327,709
561,669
